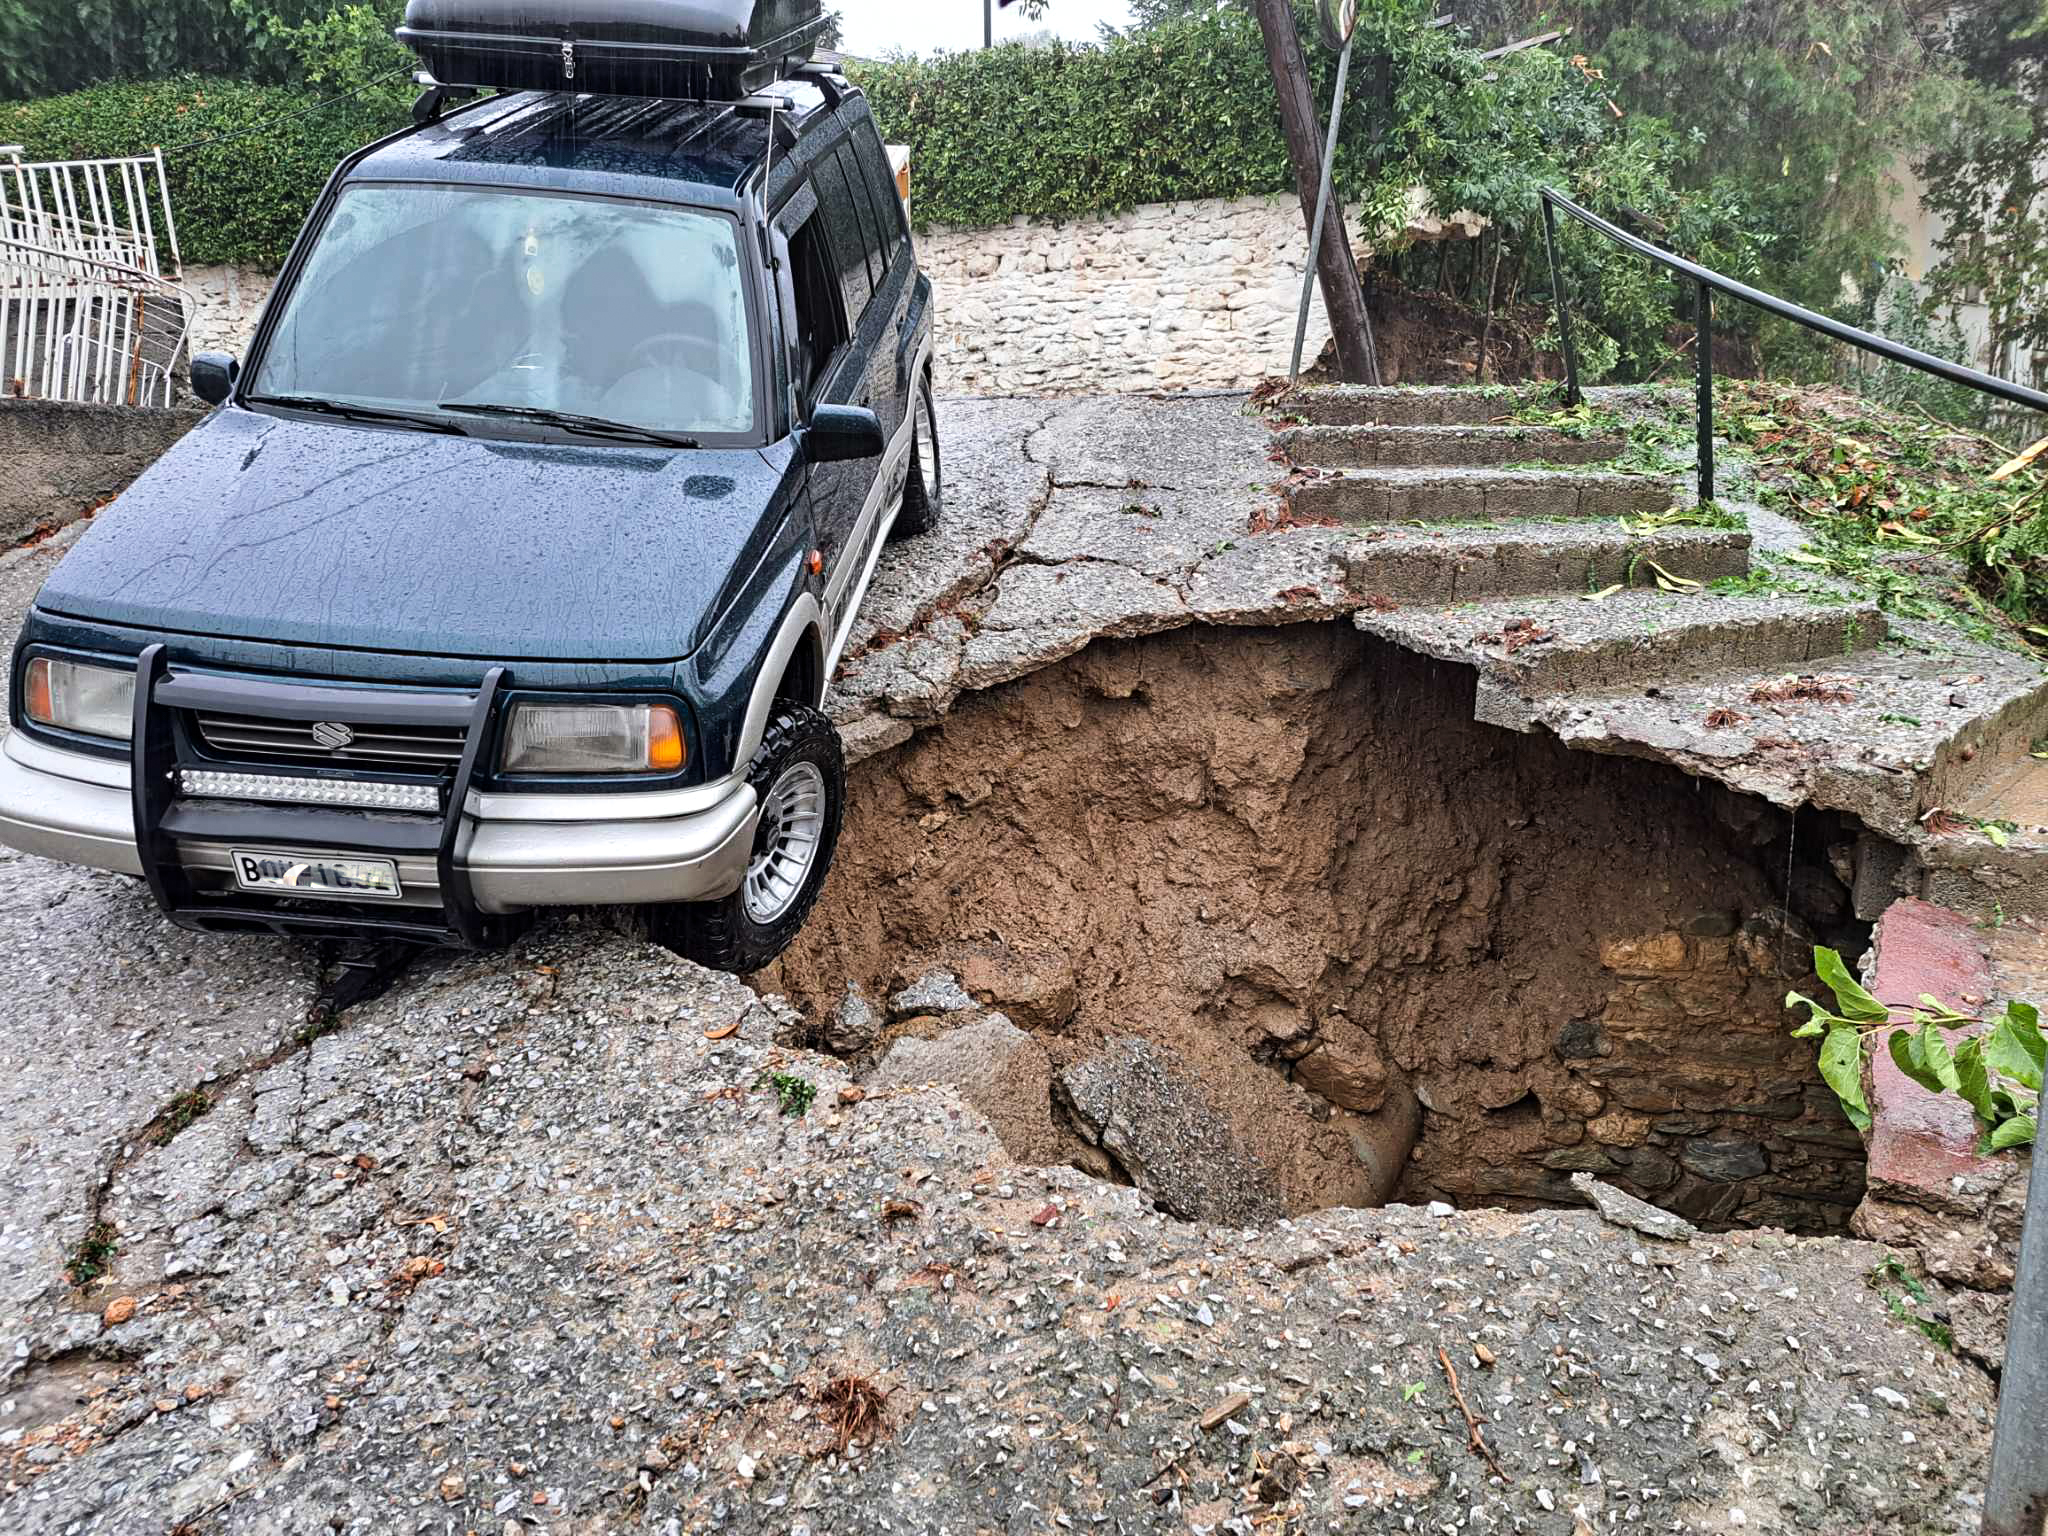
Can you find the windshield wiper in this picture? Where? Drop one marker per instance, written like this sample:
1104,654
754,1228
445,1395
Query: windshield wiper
352,412
595,426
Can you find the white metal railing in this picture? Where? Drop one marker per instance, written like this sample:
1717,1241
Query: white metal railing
86,311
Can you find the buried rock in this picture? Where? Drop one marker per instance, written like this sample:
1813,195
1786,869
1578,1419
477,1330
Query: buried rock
853,1026
1159,1126
1346,1068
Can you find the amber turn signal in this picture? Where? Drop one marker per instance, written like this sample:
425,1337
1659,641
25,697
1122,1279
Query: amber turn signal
39,706
665,752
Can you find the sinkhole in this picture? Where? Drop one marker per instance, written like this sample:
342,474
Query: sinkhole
1272,924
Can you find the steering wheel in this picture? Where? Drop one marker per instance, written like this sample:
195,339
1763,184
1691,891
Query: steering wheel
697,353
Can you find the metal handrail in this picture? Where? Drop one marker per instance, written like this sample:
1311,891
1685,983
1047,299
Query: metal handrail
1708,282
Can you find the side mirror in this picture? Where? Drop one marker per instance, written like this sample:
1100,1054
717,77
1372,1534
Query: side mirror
214,375
837,433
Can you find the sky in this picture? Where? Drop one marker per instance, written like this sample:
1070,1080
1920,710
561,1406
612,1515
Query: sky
920,26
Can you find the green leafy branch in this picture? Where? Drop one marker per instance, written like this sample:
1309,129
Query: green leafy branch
1996,1072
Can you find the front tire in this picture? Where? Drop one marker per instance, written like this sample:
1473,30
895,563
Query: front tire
799,778
923,492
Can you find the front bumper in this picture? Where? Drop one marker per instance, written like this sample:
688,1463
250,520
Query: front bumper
519,852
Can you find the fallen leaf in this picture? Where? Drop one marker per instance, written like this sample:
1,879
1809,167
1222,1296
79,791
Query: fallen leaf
2021,460
1046,1217
852,1093
723,1031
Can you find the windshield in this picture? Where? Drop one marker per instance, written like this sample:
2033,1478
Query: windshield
417,297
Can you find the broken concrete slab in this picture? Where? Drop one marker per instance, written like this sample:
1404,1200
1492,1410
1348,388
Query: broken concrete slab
1625,1210
1163,534
1194,442
1528,647
990,491
1042,614
995,1066
1155,1122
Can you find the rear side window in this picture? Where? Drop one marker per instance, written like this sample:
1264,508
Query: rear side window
874,164
880,247
843,230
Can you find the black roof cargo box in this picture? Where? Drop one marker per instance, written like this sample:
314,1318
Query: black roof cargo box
697,50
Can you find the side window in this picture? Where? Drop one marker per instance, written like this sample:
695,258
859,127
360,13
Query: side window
842,229
874,164
820,329
880,248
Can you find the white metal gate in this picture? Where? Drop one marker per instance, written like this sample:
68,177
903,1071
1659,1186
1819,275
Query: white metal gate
86,311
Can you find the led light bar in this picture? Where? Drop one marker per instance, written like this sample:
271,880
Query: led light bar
207,783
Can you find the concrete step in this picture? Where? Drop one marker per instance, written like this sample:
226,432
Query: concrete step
1528,649
1406,565
1387,447
1436,405
1407,405
1960,865
1474,495
1868,732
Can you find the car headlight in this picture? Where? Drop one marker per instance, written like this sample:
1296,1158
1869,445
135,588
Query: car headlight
593,738
76,696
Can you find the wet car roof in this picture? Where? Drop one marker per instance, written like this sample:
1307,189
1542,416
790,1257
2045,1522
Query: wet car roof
629,146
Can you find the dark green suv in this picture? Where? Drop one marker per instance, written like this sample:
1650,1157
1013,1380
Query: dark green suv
513,566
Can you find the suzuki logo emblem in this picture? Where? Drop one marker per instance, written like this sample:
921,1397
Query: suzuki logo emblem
333,735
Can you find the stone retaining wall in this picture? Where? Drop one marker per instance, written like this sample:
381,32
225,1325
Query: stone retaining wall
59,461
1194,295
1167,296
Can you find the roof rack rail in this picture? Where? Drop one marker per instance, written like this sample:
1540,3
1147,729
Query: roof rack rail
428,105
827,78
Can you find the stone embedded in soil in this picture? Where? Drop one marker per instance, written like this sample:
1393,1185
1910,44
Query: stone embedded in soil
1033,983
1159,1127
853,1026
1724,1162
1346,1068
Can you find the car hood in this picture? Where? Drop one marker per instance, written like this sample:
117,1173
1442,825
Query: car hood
316,533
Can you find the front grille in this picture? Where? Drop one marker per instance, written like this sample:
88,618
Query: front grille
417,748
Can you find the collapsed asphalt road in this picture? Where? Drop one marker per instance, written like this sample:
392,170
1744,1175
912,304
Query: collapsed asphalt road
562,1239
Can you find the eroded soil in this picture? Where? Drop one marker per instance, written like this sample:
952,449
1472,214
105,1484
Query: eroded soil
1292,860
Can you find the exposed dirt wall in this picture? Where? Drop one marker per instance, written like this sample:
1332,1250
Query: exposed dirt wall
1292,859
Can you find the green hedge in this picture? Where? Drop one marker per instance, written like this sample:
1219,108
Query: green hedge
1180,111
245,161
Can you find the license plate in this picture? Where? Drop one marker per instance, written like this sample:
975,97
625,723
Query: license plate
311,874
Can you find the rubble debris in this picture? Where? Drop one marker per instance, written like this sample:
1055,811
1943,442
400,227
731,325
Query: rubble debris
1637,1215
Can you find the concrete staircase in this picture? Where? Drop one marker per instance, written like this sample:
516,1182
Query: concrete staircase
1920,733
1466,557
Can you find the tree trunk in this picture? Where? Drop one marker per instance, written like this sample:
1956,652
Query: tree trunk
1343,300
